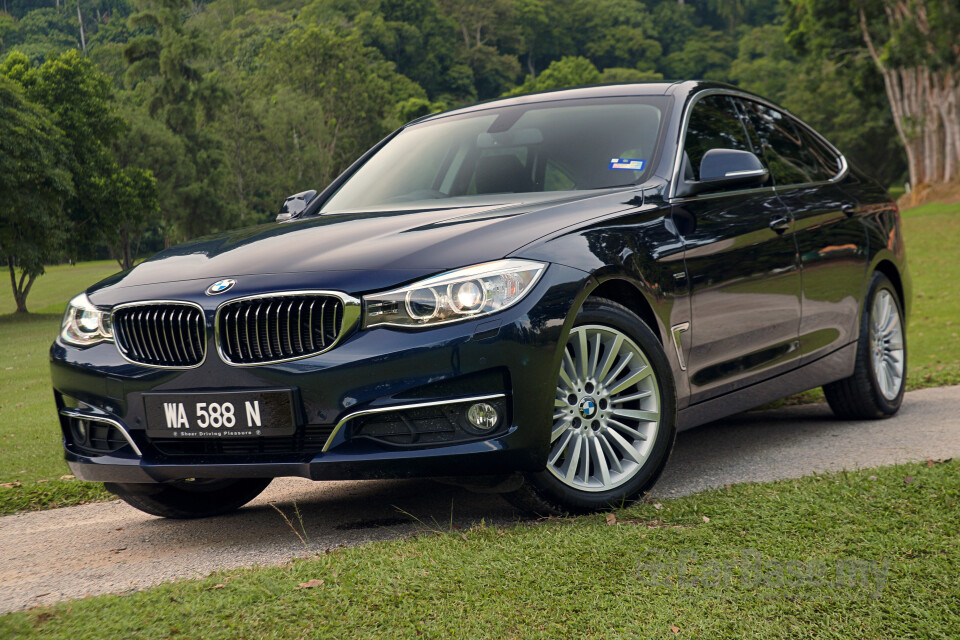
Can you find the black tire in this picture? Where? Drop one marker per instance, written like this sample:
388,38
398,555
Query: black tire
860,397
189,498
544,494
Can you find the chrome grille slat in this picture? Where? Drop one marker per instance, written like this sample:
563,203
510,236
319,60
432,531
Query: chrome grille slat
200,333
142,317
161,334
256,319
288,314
310,325
323,309
160,317
275,328
176,345
299,325
236,327
189,340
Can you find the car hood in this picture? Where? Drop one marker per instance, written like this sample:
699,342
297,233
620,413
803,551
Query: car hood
399,244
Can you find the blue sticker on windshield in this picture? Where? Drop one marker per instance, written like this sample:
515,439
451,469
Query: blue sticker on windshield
627,164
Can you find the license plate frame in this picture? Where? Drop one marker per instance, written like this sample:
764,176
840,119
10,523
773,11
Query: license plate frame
257,413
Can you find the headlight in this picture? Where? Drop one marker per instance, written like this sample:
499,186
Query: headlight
84,324
456,295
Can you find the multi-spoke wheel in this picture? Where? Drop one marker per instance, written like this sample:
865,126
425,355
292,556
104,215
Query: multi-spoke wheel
613,415
607,410
875,390
886,341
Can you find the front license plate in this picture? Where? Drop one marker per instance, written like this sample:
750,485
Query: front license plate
232,414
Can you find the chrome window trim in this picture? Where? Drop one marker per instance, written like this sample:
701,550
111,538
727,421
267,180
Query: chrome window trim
685,121
403,407
351,318
82,415
145,303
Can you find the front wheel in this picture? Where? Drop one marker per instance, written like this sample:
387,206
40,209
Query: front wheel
192,498
614,416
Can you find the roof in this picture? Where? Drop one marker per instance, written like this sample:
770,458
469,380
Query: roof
595,91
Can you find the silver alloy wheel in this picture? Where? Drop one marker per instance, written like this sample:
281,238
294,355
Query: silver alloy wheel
886,343
606,412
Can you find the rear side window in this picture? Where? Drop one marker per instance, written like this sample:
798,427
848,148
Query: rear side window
825,162
781,144
714,124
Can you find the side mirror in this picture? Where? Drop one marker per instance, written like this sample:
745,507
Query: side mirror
295,204
725,168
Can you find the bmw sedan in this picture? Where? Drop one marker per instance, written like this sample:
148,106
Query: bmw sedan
536,293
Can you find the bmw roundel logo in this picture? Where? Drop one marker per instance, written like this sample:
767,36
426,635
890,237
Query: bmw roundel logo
588,408
220,286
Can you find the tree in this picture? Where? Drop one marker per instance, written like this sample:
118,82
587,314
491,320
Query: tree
81,103
164,70
614,33
564,73
45,32
858,121
487,29
346,95
708,54
128,197
34,185
913,43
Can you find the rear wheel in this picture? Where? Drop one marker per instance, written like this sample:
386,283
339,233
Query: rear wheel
613,418
193,498
875,390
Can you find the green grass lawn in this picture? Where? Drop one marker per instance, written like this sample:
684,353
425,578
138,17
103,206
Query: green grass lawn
866,554
932,235
30,451
30,446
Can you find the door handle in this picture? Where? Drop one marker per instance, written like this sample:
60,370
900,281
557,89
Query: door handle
849,209
780,224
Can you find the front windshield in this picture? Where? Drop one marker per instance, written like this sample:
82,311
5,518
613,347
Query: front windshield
541,147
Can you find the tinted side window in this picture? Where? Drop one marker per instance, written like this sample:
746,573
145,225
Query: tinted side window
781,145
826,164
714,124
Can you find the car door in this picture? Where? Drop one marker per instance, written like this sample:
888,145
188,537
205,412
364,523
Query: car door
830,236
742,266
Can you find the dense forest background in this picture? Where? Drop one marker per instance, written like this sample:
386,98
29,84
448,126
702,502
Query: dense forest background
146,122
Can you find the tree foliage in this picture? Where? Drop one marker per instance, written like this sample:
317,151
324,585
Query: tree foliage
203,115
914,45
34,185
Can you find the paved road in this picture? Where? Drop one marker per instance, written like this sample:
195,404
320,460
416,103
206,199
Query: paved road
109,547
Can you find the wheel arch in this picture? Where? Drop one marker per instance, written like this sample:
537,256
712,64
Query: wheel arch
887,268
899,276
625,292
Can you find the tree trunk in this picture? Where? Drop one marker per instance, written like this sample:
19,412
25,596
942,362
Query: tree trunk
238,158
926,112
20,289
127,238
83,40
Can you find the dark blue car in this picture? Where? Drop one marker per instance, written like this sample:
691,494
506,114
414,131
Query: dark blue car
540,290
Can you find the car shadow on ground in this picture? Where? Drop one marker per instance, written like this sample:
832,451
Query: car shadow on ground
753,446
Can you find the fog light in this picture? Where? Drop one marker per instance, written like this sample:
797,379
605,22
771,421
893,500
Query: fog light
482,416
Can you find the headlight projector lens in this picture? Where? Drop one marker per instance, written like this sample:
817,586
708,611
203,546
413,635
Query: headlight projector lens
468,296
422,304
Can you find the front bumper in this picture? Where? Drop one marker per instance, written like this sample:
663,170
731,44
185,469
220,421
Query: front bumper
512,355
